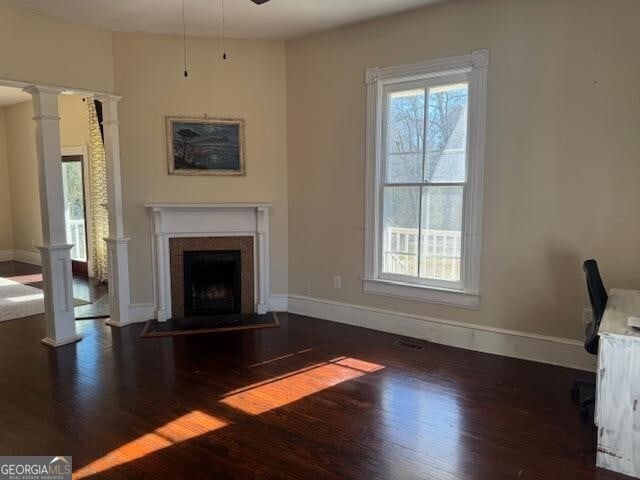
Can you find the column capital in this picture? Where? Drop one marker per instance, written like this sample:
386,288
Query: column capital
55,248
109,110
45,102
107,97
39,90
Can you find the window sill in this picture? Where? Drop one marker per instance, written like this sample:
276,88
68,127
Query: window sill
409,291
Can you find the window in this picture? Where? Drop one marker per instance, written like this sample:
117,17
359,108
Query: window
425,153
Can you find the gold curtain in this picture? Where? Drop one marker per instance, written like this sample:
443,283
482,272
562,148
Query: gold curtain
98,192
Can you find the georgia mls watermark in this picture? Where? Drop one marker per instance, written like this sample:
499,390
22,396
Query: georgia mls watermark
35,468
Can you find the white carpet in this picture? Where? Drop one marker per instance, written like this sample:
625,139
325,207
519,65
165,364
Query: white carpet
18,300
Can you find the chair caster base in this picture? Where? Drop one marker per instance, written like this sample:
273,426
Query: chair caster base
584,413
575,393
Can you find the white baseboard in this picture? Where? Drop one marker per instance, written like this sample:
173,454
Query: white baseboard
278,303
52,343
527,346
27,257
141,312
6,255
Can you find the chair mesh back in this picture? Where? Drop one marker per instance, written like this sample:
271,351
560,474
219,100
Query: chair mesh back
598,297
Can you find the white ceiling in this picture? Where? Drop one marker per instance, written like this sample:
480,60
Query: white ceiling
277,19
10,96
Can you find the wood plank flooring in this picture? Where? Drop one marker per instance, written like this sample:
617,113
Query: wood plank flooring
309,400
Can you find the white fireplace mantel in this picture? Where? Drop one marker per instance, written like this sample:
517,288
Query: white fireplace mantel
205,206
173,220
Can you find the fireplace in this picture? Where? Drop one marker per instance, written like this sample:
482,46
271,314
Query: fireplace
179,227
212,282
211,276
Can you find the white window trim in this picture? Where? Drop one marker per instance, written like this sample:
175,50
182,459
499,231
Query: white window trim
376,78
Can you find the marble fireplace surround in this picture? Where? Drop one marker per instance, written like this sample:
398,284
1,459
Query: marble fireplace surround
202,220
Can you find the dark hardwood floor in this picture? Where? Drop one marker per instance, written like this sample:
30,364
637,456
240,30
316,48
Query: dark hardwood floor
309,400
94,294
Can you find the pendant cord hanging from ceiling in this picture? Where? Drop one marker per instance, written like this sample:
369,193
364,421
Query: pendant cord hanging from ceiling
184,40
184,37
224,47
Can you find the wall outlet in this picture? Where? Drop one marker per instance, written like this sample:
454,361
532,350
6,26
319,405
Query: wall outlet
307,289
587,315
337,282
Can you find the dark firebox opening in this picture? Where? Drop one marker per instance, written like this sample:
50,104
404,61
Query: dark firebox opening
212,283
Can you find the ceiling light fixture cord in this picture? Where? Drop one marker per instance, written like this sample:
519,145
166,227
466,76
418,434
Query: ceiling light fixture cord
224,48
184,40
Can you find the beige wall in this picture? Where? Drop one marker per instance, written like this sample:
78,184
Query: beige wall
74,121
6,228
23,167
23,177
562,149
251,86
44,50
48,50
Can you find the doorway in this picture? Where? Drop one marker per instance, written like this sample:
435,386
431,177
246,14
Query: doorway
54,255
75,210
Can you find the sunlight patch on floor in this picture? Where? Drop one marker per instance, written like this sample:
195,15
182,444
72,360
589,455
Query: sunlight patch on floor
191,425
279,391
254,400
25,298
18,300
33,278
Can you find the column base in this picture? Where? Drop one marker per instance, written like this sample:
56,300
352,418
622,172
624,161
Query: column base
117,323
60,320
50,342
161,315
119,296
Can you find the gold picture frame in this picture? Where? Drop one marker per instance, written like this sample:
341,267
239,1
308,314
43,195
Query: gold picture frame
205,146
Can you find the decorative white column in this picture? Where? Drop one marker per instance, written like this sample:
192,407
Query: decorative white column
119,296
162,283
117,243
55,252
262,227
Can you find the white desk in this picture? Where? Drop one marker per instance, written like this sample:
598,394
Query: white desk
618,386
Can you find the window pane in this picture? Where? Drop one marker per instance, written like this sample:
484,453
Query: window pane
405,136
400,230
441,233
447,133
74,209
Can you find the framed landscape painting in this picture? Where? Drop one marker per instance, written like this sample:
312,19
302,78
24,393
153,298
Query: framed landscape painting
205,146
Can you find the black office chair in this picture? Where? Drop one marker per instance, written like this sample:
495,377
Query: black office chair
598,297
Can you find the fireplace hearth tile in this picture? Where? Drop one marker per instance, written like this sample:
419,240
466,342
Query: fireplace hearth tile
212,324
